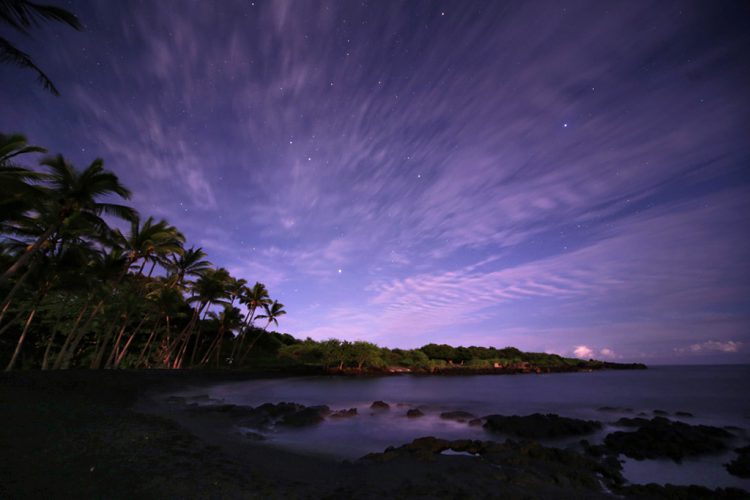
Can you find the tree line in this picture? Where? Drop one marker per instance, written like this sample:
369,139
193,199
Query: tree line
79,292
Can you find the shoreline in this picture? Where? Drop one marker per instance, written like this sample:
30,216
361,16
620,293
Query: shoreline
110,434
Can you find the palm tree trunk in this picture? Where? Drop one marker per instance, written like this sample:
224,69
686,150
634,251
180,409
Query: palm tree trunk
9,297
51,340
118,360
151,336
113,353
68,355
69,338
20,340
101,349
28,254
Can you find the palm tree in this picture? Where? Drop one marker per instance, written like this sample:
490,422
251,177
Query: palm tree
189,263
150,241
273,311
17,191
74,195
253,298
22,15
209,288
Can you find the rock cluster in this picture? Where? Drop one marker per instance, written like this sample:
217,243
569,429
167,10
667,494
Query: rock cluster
539,426
664,438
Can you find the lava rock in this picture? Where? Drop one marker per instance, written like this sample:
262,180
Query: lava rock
351,412
538,425
458,416
740,466
660,437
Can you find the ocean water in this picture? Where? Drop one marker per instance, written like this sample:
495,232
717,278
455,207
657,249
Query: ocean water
715,395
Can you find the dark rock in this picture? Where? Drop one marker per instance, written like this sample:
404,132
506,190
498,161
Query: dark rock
540,426
740,466
475,422
615,409
661,413
672,492
459,416
303,417
660,437
683,414
528,466
414,413
632,422
351,412
380,405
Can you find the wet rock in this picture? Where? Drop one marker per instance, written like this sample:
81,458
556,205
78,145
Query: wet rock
475,422
351,412
304,417
380,405
458,416
683,414
740,466
660,413
660,437
414,413
176,400
528,466
632,422
615,409
234,411
538,425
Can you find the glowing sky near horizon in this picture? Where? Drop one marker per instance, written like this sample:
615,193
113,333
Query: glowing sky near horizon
569,177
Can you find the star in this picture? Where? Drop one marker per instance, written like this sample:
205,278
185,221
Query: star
565,125
339,271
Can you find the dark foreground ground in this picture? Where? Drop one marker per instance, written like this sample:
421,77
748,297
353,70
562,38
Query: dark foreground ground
104,435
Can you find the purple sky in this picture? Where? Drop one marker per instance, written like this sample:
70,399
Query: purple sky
569,177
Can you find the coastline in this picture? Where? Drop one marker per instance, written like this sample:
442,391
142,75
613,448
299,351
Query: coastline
109,434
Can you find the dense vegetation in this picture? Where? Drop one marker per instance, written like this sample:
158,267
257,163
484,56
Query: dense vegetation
79,292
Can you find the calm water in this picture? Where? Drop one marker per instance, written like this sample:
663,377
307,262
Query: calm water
716,395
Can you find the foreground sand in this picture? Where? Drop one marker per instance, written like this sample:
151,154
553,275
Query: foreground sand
109,435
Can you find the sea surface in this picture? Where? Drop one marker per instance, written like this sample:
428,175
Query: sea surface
715,395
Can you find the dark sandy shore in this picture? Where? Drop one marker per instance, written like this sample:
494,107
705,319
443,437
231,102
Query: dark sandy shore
108,434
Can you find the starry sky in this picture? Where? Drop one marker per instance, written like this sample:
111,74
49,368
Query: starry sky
568,177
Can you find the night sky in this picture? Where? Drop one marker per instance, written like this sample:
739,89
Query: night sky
568,177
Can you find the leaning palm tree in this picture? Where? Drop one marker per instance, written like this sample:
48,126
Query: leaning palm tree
189,263
273,312
22,15
210,288
18,192
75,194
150,241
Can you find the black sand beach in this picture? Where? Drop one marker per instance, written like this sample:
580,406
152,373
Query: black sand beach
83,434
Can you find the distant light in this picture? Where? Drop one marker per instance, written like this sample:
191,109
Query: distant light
339,271
565,125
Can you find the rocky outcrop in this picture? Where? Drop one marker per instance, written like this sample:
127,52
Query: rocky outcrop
268,414
663,438
351,412
528,466
458,416
380,405
414,413
740,466
539,426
